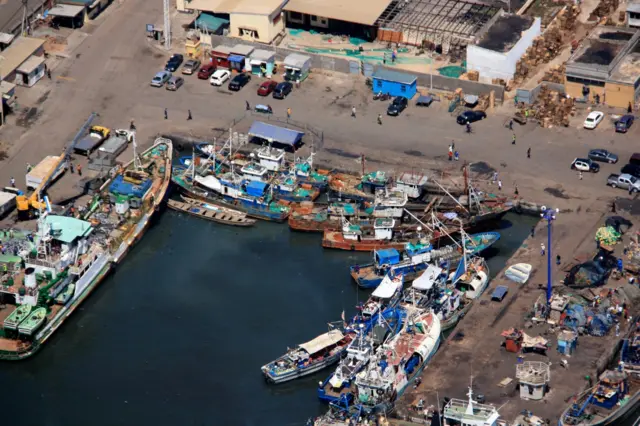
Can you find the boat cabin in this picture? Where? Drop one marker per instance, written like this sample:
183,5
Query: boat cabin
382,230
411,184
385,294
469,413
384,258
273,159
373,181
428,279
255,171
389,203
611,389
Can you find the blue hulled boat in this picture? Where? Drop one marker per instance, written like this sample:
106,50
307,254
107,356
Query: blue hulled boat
416,258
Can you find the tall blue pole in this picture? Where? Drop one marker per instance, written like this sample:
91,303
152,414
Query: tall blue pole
549,285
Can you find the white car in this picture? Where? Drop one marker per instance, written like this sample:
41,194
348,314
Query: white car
219,77
593,119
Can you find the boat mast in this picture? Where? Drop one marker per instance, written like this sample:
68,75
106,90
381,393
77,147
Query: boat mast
137,165
450,196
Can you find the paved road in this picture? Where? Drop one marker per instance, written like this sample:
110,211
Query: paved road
109,73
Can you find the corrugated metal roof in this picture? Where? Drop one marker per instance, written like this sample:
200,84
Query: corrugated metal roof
242,49
65,10
262,55
255,7
18,52
207,21
30,64
6,38
364,12
296,60
394,76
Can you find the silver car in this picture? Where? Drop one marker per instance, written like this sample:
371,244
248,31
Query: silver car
174,83
160,78
190,66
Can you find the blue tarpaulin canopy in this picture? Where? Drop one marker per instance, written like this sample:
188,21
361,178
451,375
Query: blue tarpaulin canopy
275,133
210,23
236,58
387,256
256,188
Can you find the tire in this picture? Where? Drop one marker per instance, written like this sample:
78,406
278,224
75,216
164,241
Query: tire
613,185
634,190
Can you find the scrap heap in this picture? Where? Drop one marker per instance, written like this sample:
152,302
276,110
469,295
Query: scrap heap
604,8
554,74
552,108
549,45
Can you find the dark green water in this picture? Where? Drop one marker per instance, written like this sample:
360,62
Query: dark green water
178,334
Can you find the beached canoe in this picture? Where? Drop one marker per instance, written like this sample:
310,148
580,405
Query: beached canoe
211,212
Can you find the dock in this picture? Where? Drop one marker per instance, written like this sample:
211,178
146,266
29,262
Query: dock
474,350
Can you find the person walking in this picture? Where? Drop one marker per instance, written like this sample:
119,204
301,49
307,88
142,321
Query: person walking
189,117
580,175
516,191
132,126
630,189
558,260
513,140
629,108
247,106
499,185
533,231
495,177
529,152
456,156
29,167
450,155
79,169
510,124
13,182
288,113
453,146
353,111
542,249
166,114
48,73
380,119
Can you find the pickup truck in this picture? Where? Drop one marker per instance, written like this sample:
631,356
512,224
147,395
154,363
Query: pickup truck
93,140
623,181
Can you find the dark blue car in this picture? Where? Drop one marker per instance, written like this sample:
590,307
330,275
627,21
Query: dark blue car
624,123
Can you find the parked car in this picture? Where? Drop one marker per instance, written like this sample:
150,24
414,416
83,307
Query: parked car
267,87
593,119
603,155
174,83
625,122
631,169
160,78
624,181
206,70
239,81
585,165
219,77
397,106
174,62
635,159
190,66
282,90
470,117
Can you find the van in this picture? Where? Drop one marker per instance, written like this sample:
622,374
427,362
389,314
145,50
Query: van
635,159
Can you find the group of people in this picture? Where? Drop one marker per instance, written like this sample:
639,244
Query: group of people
453,154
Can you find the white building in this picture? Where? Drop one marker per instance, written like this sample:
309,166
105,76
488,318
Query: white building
633,14
501,44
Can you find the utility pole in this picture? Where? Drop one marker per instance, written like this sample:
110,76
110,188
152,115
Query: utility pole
549,215
24,17
167,24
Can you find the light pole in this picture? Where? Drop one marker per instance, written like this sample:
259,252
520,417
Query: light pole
549,215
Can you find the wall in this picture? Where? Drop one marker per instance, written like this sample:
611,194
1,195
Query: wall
491,64
259,22
529,96
619,95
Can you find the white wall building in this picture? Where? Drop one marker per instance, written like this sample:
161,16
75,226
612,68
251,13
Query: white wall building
499,47
633,14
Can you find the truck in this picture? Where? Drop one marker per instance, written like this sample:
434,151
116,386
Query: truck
86,145
624,181
7,201
42,170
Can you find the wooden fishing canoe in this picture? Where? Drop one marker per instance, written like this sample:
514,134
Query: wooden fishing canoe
211,212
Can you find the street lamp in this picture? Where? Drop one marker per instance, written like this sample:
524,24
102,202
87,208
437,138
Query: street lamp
549,215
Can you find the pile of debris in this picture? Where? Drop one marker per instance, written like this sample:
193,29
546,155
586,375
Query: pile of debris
554,74
552,108
53,44
567,18
471,75
604,8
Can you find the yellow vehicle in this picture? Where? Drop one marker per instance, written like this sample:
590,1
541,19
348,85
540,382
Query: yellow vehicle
91,142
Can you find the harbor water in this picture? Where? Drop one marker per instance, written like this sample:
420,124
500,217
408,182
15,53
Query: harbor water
177,335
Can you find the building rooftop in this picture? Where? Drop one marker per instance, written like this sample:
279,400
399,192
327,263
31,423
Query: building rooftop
30,64
252,7
65,10
628,70
505,32
18,52
365,12
395,76
633,6
599,53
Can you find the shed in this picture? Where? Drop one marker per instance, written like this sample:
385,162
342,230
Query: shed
238,59
220,55
30,71
567,342
394,83
211,24
386,257
18,52
296,67
68,15
5,40
262,62
256,188
275,134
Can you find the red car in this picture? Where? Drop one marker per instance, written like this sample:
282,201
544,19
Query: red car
206,71
267,87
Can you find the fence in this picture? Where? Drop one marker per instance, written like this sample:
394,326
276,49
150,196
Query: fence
346,66
529,96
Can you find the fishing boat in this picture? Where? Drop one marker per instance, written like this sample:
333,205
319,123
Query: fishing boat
386,295
612,400
273,159
630,352
519,272
17,316
286,187
211,212
348,187
397,363
336,387
309,357
230,193
471,277
309,217
305,173
33,321
365,238
415,258
87,247
469,413
253,171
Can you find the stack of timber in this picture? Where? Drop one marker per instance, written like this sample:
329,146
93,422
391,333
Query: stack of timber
567,18
554,74
552,108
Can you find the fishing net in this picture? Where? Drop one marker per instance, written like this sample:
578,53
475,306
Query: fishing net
607,235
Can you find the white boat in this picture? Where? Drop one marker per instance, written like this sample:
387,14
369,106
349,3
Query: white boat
470,413
389,203
398,362
255,171
474,280
385,295
273,159
519,272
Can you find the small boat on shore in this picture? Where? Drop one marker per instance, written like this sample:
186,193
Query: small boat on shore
519,272
17,316
309,357
211,212
33,321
